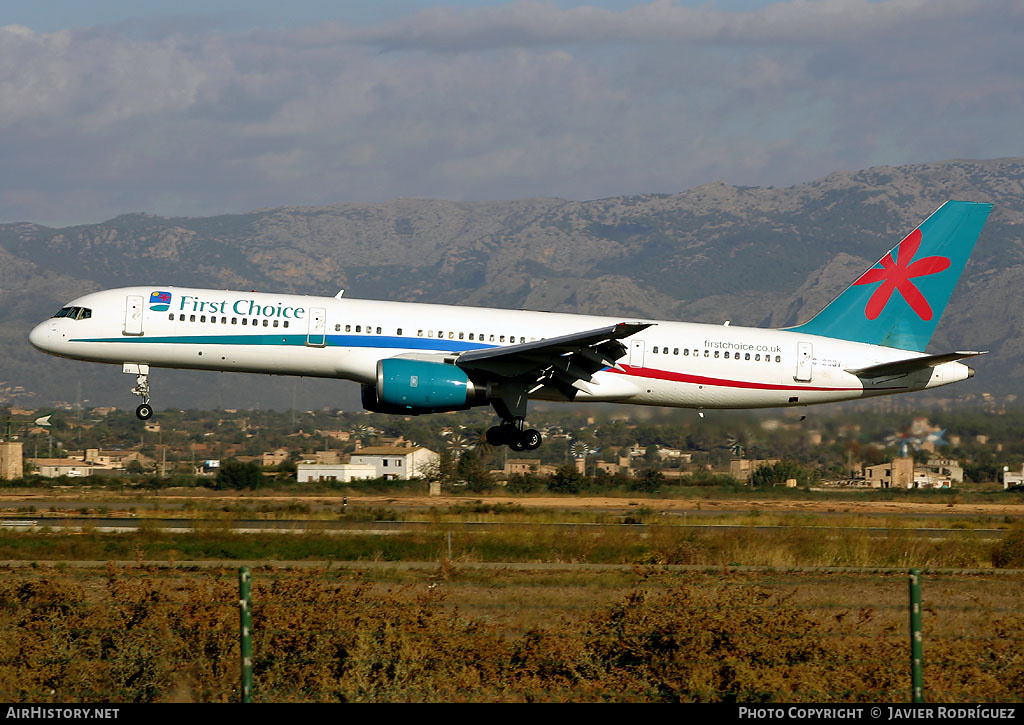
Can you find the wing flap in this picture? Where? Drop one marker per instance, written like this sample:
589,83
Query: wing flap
909,365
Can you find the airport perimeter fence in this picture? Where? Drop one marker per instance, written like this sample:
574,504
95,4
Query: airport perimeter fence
152,634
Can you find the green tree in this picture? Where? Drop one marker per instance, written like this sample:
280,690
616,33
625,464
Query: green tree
566,480
773,475
472,468
237,475
650,480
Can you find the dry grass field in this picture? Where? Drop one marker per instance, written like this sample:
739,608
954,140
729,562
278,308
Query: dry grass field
750,621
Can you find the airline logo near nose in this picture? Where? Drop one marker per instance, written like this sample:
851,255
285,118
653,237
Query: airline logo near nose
159,301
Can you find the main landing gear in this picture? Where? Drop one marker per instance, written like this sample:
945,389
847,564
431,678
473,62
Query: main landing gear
141,371
511,434
509,402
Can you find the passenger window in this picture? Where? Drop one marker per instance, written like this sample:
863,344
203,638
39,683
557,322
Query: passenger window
746,356
451,335
202,318
778,358
675,351
399,331
522,340
286,323
757,357
276,322
348,328
461,335
378,330
419,333
716,353
181,318
266,322
245,320
191,318
686,351
471,336
430,333
707,353
170,316
492,338
359,328
501,339
234,320
655,349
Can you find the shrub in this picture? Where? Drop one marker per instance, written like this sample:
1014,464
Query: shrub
1009,553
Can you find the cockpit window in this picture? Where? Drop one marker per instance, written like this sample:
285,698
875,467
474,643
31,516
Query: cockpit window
74,313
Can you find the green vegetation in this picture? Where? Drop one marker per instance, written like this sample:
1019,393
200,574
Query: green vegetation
616,541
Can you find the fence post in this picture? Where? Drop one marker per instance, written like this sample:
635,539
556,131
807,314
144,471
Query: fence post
916,656
245,620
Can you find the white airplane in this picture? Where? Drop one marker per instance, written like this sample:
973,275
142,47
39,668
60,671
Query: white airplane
413,358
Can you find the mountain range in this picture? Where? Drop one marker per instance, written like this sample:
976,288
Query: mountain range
753,255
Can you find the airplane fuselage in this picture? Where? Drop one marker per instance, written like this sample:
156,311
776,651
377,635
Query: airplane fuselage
675,364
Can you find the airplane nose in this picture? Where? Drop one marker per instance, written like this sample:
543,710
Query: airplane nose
40,336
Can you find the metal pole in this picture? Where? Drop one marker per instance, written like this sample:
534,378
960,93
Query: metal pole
916,656
245,617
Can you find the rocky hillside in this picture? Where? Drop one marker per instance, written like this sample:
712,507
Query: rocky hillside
759,256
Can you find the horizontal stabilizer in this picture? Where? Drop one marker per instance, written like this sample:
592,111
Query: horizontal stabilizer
909,365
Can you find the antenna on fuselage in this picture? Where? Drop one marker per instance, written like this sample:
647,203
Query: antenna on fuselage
340,293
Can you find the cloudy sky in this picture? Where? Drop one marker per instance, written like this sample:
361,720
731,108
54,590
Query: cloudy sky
215,106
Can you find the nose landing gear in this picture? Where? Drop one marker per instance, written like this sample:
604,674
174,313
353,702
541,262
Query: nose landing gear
141,371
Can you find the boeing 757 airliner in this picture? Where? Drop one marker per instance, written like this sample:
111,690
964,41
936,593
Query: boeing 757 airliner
413,358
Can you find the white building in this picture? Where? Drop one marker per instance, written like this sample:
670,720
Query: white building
394,463
340,472
70,467
1012,479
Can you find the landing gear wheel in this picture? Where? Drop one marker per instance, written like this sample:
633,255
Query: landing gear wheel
531,439
495,435
517,444
141,371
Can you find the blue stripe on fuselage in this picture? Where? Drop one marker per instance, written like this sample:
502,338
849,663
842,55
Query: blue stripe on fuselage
406,343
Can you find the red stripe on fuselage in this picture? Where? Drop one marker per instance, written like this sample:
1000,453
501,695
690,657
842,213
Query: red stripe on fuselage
725,383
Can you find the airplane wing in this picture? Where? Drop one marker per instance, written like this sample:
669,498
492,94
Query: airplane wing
909,365
565,363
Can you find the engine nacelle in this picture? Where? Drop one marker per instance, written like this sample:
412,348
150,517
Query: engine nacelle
410,387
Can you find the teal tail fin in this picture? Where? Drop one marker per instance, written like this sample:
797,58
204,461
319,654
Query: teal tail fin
898,302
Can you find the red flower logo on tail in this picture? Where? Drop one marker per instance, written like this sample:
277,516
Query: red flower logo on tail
896,274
